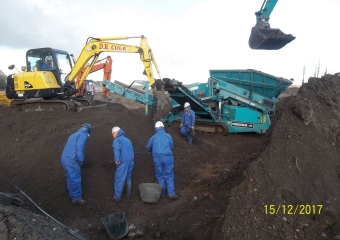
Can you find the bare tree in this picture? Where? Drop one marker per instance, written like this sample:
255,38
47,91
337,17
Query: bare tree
304,71
317,70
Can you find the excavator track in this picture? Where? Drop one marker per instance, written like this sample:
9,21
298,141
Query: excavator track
74,104
45,105
82,101
218,128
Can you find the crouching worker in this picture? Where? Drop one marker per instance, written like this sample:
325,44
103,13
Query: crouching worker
71,160
161,145
188,122
124,159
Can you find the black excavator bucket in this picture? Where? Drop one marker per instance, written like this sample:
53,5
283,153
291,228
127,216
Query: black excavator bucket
164,105
268,38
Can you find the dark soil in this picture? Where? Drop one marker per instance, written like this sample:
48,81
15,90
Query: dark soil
32,143
224,182
300,165
291,91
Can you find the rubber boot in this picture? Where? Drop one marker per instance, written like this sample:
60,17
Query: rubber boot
127,189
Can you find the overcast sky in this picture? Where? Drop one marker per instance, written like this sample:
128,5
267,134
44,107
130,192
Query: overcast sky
187,37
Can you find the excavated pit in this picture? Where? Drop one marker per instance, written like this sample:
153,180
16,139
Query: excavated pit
223,182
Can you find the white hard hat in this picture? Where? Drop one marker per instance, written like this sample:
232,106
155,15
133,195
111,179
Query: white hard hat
115,129
159,124
186,104
48,58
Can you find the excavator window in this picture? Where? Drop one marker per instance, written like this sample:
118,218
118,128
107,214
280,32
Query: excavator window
38,64
64,64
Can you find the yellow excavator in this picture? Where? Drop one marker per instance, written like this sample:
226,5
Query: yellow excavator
49,76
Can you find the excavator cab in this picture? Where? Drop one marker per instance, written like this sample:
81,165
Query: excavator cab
89,90
264,37
48,59
43,77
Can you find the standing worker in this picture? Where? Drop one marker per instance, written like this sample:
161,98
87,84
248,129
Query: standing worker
188,122
124,159
71,160
161,145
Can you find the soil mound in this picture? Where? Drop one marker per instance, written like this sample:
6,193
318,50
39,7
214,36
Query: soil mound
32,143
291,191
20,223
242,186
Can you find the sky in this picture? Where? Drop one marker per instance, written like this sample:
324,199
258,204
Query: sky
187,37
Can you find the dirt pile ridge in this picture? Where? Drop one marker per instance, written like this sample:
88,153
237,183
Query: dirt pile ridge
299,166
20,223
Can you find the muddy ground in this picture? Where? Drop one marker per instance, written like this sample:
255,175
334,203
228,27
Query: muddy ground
32,143
224,182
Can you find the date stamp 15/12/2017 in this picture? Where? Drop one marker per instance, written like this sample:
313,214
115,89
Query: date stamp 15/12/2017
293,209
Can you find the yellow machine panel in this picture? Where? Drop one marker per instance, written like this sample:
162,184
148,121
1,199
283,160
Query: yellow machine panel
35,80
3,99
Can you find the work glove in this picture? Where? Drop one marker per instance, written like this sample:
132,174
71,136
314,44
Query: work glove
192,128
191,132
181,125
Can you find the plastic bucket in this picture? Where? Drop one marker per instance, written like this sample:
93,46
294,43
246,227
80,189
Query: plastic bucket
115,225
150,192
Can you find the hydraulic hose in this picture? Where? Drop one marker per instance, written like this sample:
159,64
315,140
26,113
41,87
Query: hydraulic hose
75,234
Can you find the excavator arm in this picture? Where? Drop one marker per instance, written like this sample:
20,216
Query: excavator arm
264,37
95,46
107,66
265,11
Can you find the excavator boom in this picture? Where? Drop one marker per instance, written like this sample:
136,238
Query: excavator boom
106,66
95,46
264,37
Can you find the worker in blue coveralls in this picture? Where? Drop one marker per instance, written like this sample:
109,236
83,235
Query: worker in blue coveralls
124,159
47,65
161,145
188,122
71,160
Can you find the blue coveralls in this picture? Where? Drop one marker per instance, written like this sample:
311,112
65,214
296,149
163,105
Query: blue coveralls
161,145
45,66
188,121
71,159
123,153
